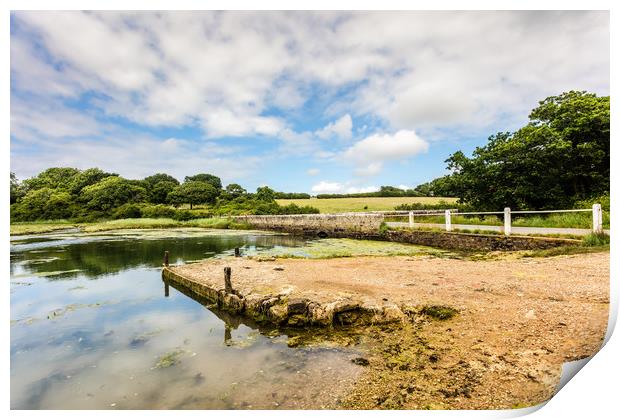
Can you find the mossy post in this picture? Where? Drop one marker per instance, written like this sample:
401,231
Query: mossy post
166,258
227,282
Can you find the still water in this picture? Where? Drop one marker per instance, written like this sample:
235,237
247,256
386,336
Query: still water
92,329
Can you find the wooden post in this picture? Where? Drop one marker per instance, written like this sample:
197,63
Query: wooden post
166,258
448,221
507,222
166,289
410,219
227,282
597,218
237,252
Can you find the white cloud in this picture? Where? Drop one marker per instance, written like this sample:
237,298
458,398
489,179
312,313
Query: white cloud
370,153
326,187
225,123
426,69
44,121
313,171
341,128
251,74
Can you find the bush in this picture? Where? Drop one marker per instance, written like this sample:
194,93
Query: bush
441,205
183,215
158,211
127,211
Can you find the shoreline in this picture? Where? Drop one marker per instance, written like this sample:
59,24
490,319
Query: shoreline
518,321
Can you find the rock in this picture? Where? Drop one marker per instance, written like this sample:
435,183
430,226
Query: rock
278,268
278,313
297,306
530,314
360,361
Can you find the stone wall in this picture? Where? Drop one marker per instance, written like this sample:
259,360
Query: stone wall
475,242
317,224
366,226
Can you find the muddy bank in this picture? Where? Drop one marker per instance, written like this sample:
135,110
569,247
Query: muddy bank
517,320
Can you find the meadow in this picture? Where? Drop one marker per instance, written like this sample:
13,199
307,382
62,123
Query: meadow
360,204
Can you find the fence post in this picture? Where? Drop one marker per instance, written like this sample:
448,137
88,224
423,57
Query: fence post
507,222
227,283
448,221
410,219
597,218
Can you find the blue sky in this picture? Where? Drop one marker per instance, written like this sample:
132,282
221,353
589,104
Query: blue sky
312,102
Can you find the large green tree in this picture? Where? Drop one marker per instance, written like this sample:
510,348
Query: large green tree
55,178
111,192
85,178
559,157
43,204
192,193
208,178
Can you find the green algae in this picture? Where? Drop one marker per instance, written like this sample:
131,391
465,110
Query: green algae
169,359
344,247
440,312
56,313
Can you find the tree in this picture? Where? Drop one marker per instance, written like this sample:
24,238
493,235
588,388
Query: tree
111,192
160,177
208,178
389,191
192,193
16,190
265,194
159,192
43,204
88,177
55,178
559,157
235,190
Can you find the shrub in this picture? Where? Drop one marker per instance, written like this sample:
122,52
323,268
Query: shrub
127,211
183,215
158,211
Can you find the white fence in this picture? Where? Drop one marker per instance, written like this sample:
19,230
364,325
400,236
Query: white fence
597,216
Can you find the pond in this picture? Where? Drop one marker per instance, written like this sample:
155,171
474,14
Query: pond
92,329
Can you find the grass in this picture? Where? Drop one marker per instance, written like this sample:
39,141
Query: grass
145,223
596,239
565,250
361,204
29,228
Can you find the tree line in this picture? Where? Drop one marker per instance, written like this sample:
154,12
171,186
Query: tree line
93,194
560,158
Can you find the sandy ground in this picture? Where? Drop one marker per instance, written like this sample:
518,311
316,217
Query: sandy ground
519,320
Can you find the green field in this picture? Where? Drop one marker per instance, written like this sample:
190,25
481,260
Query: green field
343,205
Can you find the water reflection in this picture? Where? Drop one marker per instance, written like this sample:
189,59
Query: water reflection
69,256
107,337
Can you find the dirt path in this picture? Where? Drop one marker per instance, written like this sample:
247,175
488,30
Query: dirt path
519,319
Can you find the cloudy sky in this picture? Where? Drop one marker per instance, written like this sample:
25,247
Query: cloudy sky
313,102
